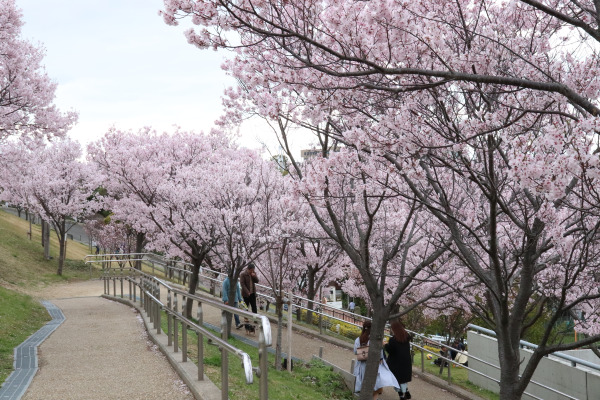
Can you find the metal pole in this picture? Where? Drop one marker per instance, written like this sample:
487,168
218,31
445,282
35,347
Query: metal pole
169,324
183,342
200,344
175,333
224,360
320,311
263,356
290,319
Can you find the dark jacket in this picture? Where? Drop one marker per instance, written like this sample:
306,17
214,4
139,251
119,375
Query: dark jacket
248,282
399,359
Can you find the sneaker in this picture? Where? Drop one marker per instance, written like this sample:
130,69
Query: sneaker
238,326
407,395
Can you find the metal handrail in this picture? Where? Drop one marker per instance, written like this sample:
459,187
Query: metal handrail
471,356
573,360
265,323
150,299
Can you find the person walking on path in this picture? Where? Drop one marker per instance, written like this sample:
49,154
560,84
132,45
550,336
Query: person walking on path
384,375
236,300
399,358
248,280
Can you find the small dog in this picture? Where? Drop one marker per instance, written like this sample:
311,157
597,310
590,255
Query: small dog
250,328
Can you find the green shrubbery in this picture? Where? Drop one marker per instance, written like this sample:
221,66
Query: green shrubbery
344,329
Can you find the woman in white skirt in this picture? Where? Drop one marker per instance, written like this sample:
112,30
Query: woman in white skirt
384,375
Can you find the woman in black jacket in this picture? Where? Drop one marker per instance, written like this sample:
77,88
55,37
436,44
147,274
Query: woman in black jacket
399,358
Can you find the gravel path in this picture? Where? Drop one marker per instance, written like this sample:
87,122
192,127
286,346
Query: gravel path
88,358
100,352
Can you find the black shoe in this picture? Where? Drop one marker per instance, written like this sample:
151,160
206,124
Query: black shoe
407,395
238,326
402,397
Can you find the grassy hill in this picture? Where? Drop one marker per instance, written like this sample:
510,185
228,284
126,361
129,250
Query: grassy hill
23,268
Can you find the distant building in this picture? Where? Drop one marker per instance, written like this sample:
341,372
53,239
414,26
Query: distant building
310,154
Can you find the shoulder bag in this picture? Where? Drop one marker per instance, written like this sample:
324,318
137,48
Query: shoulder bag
362,352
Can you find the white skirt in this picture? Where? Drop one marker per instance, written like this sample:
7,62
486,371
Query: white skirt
385,377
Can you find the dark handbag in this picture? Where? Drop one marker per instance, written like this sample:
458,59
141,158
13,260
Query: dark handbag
362,352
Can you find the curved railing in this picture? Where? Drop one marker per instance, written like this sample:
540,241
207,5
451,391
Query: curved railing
177,271
127,281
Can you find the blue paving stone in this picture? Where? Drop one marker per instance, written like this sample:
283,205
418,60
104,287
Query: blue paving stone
26,361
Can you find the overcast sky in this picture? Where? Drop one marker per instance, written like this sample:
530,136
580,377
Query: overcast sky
117,63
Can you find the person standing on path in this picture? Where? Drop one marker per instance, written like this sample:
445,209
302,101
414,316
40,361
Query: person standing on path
384,375
399,358
236,300
248,280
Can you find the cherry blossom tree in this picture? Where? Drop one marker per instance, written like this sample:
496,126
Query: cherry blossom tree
380,233
486,110
51,181
277,265
163,185
245,211
320,259
26,92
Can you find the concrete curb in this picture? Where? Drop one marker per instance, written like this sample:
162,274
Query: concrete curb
187,371
443,384
25,356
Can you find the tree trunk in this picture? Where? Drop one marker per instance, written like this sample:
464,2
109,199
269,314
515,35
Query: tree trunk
197,263
278,346
310,294
46,239
375,346
509,371
62,241
140,240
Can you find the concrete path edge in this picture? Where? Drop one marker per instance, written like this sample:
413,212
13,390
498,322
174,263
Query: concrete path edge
187,371
25,356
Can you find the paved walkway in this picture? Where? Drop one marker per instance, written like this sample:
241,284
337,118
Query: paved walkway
101,352
87,357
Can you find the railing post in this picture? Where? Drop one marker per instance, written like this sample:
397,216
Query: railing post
320,320
263,363
200,316
158,315
290,319
175,325
449,373
183,342
422,361
224,359
114,286
169,322
142,283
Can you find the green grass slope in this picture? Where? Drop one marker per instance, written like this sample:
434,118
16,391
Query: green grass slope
23,269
